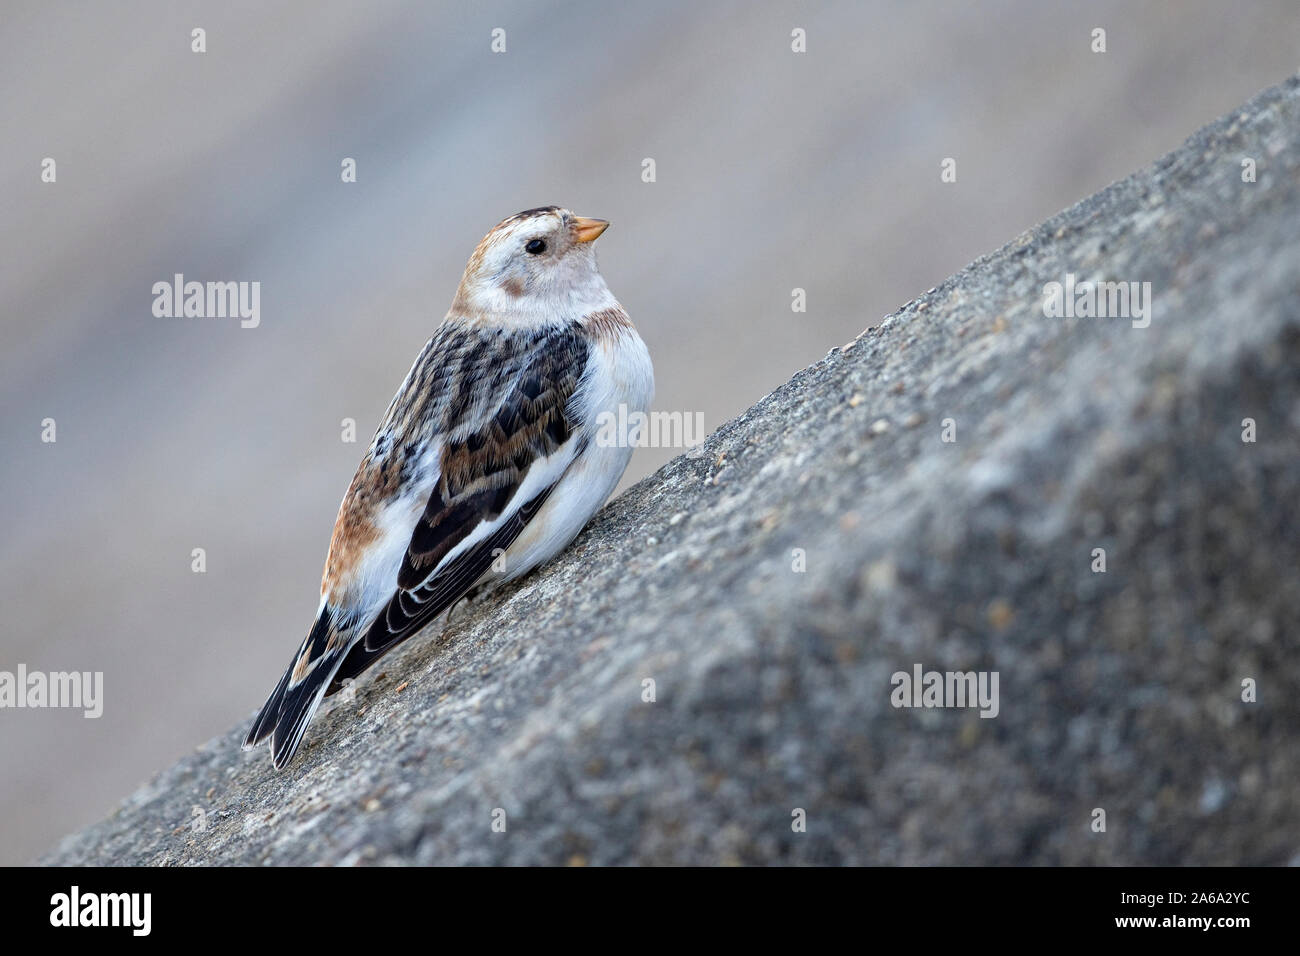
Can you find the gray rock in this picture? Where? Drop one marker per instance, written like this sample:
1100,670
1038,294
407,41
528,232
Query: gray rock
1119,690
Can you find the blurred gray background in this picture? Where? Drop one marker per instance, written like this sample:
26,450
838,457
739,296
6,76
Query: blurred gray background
775,170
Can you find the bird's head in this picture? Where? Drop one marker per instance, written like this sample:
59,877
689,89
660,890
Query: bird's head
536,266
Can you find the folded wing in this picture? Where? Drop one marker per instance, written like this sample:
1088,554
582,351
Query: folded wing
495,471
493,408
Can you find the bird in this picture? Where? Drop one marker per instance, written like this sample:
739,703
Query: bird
488,462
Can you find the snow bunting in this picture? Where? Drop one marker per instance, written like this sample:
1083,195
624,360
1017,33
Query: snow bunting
486,463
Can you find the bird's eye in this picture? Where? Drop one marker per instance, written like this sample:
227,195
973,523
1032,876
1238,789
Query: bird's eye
536,247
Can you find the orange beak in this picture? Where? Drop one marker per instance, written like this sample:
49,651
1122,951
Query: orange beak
588,230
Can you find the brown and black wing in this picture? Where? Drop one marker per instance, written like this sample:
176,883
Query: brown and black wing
513,422
495,404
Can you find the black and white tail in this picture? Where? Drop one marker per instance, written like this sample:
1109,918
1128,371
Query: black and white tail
310,675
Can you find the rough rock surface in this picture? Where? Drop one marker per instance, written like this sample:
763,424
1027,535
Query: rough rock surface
1119,690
